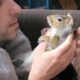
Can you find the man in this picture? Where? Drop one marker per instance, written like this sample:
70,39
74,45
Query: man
14,43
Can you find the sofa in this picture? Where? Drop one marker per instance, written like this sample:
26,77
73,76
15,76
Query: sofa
32,21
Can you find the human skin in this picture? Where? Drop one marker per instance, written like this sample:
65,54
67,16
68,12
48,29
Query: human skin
9,25
78,35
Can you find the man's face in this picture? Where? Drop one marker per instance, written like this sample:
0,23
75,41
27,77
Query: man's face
9,26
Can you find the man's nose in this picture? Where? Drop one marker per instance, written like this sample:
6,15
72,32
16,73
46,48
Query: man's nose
15,9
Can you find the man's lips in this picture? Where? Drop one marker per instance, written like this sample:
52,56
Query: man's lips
15,25
14,22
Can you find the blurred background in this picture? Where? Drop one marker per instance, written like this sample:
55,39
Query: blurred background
50,4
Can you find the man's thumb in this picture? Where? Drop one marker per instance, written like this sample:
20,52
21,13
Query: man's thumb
41,47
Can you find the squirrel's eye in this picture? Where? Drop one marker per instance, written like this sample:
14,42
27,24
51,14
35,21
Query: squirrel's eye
59,19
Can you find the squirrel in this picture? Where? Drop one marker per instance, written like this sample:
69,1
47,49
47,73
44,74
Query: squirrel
60,27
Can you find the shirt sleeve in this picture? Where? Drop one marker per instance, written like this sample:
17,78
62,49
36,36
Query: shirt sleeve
7,71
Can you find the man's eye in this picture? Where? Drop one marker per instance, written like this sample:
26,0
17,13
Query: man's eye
59,19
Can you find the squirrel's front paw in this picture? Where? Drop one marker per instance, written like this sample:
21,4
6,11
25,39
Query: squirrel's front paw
44,30
45,35
43,38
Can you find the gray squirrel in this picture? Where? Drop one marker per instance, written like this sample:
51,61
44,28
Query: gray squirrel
60,27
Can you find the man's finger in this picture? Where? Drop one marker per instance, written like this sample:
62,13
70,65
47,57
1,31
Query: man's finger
78,43
71,52
78,31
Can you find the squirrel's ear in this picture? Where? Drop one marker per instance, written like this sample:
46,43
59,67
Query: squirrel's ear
69,15
71,19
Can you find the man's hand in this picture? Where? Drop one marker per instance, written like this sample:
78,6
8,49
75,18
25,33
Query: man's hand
48,64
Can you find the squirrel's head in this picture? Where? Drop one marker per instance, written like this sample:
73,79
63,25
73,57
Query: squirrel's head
59,21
